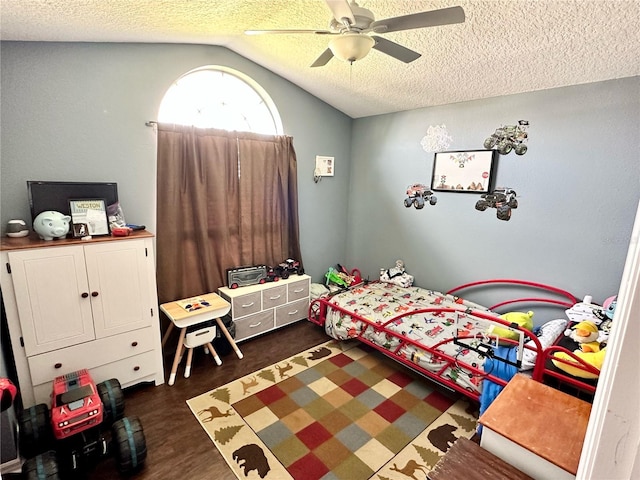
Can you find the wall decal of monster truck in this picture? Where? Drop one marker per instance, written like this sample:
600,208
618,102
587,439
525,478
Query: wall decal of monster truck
509,137
418,195
502,199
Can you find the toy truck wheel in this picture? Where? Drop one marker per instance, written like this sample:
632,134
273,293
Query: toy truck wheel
481,205
408,202
300,271
513,203
35,430
505,148
418,202
41,467
112,399
521,149
489,143
129,444
503,212
433,200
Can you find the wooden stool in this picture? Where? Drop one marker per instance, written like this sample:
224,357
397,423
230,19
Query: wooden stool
193,311
466,459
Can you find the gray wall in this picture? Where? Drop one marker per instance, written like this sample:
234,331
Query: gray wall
579,186
77,112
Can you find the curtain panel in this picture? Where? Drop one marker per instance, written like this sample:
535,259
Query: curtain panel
225,199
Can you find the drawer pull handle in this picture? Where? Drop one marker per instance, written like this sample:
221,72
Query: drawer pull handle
246,305
136,368
293,313
255,325
84,295
298,290
275,298
57,365
94,294
134,344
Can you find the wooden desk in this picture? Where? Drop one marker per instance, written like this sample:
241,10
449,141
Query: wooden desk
467,460
536,428
182,319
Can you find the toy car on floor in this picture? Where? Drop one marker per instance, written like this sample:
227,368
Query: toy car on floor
418,195
61,442
509,137
502,199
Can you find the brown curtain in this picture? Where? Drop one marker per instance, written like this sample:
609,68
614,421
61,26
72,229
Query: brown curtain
225,199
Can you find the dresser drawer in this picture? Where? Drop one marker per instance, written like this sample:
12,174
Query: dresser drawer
254,325
246,304
298,290
292,312
127,371
47,366
275,296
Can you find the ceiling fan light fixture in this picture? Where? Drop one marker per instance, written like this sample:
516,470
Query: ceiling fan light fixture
351,46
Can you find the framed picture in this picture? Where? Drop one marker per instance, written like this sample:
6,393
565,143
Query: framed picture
89,217
465,171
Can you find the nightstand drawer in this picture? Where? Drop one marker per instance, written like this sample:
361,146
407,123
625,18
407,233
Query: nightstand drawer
275,296
246,304
254,325
298,290
292,312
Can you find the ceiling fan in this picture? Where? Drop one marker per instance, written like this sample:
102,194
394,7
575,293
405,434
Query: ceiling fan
354,30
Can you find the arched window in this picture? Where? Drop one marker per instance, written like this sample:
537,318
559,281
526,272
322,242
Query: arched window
220,97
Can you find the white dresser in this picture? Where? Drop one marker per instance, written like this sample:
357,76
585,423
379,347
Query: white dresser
75,304
261,308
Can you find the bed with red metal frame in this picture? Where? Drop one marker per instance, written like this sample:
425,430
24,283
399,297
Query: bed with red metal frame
444,336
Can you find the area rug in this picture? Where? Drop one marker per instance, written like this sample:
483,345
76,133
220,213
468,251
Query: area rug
339,411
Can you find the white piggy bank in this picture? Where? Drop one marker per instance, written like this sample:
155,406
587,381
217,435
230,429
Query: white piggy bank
49,225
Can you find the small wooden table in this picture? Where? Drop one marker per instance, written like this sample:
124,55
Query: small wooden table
181,318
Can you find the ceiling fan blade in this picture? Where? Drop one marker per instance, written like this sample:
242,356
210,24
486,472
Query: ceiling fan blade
323,59
395,50
341,9
433,18
264,32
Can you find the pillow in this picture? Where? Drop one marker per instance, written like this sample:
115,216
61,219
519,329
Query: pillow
547,334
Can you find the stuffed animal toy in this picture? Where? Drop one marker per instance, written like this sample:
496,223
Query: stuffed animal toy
586,334
595,359
524,320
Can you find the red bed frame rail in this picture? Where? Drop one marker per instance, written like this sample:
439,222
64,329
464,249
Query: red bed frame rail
318,312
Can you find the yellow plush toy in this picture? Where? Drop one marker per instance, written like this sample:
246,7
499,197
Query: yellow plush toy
586,334
595,359
522,319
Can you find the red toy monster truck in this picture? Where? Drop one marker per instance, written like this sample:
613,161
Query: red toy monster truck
61,441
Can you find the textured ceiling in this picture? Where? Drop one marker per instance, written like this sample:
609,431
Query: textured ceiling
504,46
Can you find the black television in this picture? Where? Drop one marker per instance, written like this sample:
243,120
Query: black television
55,196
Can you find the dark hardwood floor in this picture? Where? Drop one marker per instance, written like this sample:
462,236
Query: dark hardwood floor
177,447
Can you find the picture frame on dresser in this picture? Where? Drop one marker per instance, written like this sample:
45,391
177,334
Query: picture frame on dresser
89,217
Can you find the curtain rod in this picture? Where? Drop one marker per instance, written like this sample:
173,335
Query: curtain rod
151,123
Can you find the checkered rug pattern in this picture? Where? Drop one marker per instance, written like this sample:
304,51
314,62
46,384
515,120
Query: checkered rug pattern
336,412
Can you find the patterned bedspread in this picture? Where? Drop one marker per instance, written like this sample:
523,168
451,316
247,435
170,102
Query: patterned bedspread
381,302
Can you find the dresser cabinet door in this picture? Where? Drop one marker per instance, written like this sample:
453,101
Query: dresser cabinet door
119,285
53,298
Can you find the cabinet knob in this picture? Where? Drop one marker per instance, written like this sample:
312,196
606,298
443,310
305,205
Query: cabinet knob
94,294
57,365
136,368
84,295
134,344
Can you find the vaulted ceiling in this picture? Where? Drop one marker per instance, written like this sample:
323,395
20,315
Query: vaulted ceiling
503,47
